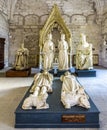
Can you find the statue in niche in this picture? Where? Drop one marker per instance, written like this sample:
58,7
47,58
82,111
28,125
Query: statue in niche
21,58
48,53
72,92
43,79
84,58
63,53
37,99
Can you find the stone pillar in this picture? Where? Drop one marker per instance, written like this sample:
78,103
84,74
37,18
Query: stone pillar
70,53
40,59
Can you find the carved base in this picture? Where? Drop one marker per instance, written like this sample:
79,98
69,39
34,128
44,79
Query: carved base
56,116
18,73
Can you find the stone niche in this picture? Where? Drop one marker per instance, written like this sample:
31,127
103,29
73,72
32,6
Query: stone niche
54,25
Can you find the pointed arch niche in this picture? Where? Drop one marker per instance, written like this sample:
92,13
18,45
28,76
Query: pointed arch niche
55,25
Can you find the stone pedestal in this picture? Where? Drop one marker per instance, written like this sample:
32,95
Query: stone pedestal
18,73
57,116
85,73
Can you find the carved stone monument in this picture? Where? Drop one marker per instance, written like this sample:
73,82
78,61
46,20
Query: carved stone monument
37,99
43,79
21,66
69,91
21,58
63,53
48,53
72,92
84,59
55,24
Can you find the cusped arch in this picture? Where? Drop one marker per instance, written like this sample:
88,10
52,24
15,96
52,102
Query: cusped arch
54,19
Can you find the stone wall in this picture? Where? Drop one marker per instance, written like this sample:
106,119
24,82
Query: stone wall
29,16
4,29
103,44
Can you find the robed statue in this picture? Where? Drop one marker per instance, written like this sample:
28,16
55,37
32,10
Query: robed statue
84,58
21,58
72,93
63,53
48,53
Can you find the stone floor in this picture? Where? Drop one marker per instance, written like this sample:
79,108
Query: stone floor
13,89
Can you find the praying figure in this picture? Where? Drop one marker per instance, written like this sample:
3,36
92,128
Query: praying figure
21,58
63,53
48,53
84,58
72,92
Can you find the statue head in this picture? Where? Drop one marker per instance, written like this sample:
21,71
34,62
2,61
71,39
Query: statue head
83,38
62,36
49,37
22,45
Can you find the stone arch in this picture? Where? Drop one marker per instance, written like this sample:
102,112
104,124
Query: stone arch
18,19
54,19
31,19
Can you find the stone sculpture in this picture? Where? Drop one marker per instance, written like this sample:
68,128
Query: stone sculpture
48,53
43,79
72,92
84,59
37,99
21,58
63,54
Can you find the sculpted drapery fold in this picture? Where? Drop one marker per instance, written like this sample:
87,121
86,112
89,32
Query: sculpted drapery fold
54,18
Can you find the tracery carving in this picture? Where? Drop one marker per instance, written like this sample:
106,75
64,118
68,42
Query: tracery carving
53,22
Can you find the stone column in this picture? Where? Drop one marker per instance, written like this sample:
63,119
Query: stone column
40,59
70,53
